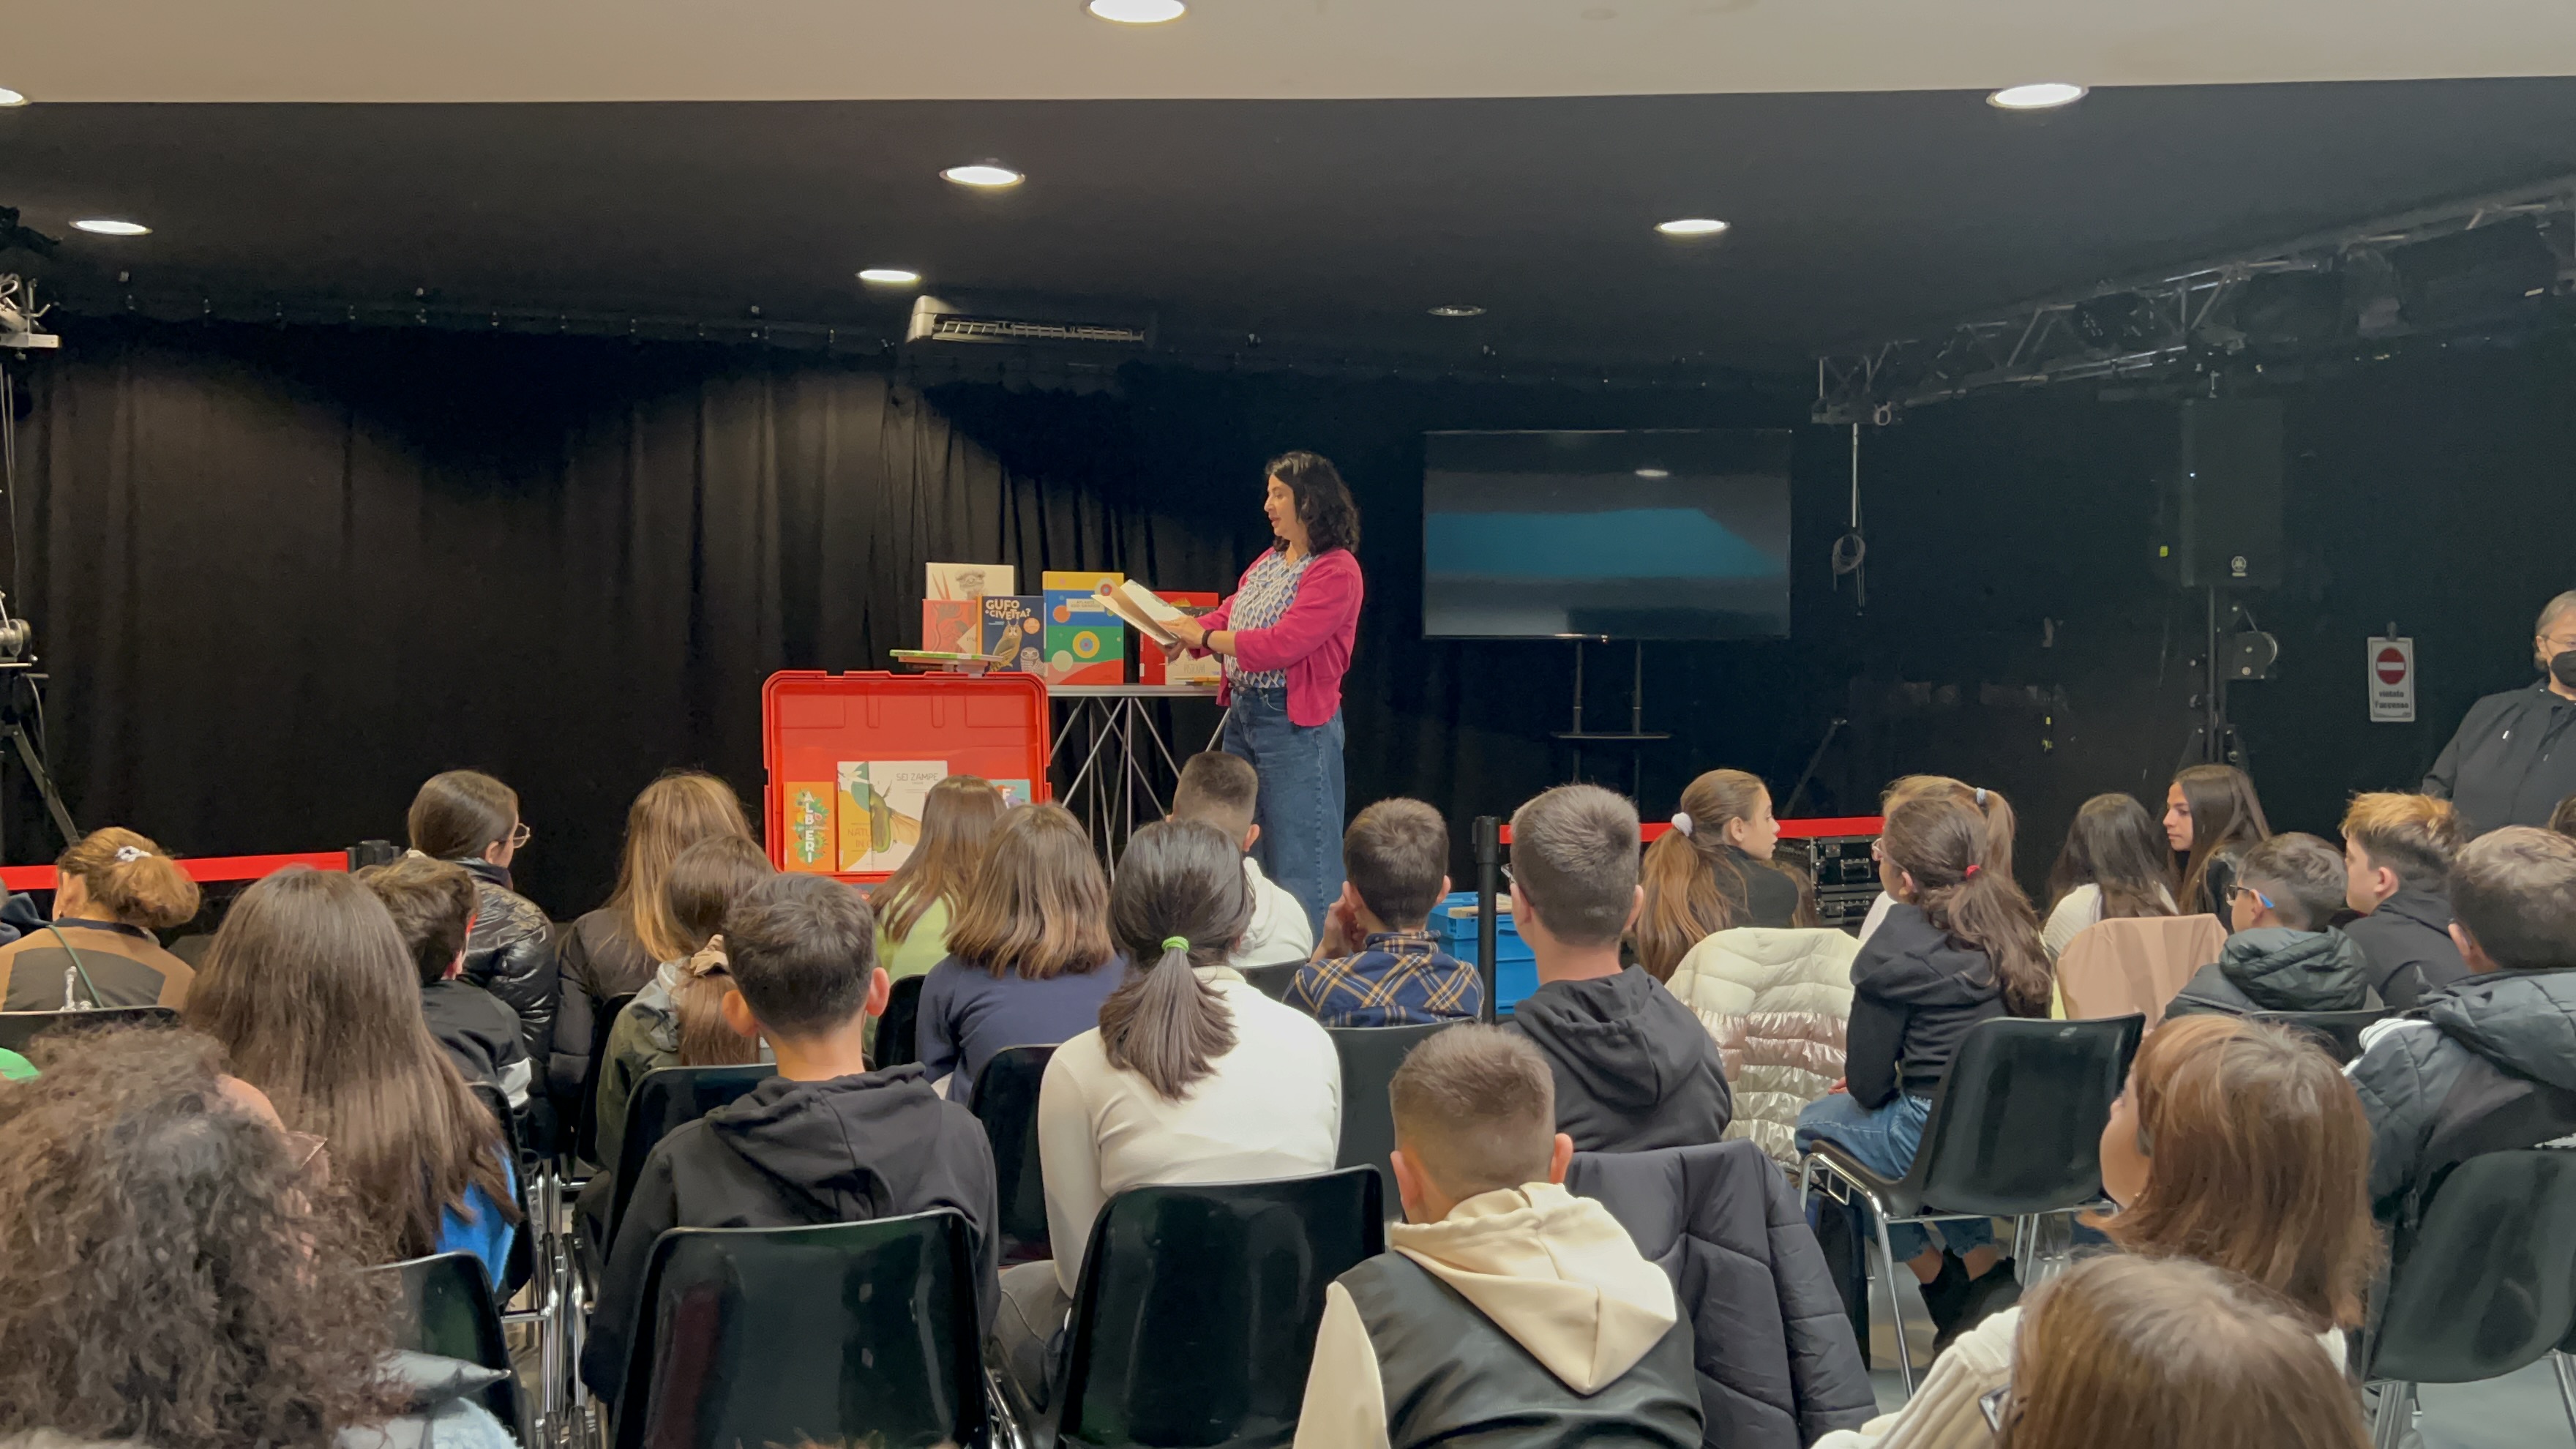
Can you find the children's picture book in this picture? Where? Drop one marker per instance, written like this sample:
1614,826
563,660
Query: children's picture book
1141,607
1014,792
1152,668
952,626
1085,642
965,582
1015,627
811,845
880,810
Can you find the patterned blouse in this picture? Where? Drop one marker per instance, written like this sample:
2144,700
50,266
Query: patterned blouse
1261,602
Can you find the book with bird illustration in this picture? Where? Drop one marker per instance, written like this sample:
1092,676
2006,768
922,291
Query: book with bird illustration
879,807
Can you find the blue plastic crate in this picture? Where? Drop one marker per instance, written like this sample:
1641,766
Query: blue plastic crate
1515,968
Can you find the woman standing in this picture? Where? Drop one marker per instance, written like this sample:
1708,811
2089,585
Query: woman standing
1286,633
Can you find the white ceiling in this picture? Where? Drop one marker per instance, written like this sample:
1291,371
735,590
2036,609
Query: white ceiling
602,50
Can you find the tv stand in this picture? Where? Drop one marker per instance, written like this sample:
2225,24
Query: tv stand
1635,736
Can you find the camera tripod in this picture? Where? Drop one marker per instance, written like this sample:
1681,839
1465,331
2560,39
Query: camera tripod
21,698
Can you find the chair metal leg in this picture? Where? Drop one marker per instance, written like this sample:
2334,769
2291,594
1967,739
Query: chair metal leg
1895,1304
2396,1414
2566,1367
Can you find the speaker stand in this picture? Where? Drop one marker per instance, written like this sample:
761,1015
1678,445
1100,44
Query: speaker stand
1635,737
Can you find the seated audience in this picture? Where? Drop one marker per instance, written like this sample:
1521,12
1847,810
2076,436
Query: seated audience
2397,852
181,1277
2484,1064
2129,1353
1029,957
470,818
2235,1144
1960,946
1191,1076
675,1021
1634,1068
1379,964
615,950
2115,866
309,989
1712,870
826,1140
1220,790
915,904
112,890
2211,819
432,903
1990,803
1506,1309
2283,956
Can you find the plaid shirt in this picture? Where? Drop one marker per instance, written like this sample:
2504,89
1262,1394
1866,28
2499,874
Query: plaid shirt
1399,978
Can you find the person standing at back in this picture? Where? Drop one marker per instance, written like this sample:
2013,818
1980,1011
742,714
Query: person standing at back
2514,757
1713,870
2397,852
2115,866
467,817
2211,818
111,891
1634,1069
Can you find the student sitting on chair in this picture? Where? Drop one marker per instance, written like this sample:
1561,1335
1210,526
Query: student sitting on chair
432,903
1379,964
2397,853
826,1140
1220,790
2283,956
111,891
1507,1310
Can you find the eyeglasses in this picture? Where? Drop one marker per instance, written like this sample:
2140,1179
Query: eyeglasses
521,836
2260,899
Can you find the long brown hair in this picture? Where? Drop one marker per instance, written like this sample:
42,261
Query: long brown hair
2224,813
2000,821
1039,906
460,814
2116,845
1324,501
1944,845
2259,1163
309,988
132,879
2144,1353
175,1278
1695,880
673,813
957,822
1182,901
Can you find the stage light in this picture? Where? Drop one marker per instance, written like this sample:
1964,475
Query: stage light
1457,309
1691,226
2039,97
983,174
1138,12
9,97
890,276
1654,472
110,226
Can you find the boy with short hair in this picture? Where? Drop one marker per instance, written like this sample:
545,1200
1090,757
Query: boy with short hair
1379,964
1221,789
1505,1306
432,903
2481,1065
2282,955
826,1140
2397,853
1634,1068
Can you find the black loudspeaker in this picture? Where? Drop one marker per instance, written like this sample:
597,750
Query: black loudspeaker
2227,495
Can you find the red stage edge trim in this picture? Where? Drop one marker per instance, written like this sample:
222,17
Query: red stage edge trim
1819,829
211,868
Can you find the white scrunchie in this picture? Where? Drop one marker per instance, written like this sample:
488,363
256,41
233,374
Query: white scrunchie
1682,821
129,854
1981,797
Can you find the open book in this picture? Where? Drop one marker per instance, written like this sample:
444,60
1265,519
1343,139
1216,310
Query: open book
1145,609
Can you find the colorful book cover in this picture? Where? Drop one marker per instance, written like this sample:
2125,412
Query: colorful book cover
1014,625
880,810
1085,642
1014,792
952,626
811,845
963,582
1151,667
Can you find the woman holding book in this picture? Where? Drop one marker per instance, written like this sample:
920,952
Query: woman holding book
1285,634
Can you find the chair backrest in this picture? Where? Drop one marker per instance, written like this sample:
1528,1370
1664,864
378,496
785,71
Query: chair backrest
2488,1282
2339,1032
1195,1317
665,1100
1272,980
1006,1102
2016,1126
898,1031
2135,964
850,1333
447,1310
585,1141
18,1028
1369,1056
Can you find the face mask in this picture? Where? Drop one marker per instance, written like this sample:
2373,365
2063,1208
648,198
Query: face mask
2562,667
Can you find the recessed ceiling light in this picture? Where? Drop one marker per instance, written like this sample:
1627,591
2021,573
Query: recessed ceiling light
1691,226
2038,97
1138,12
1654,472
890,276
110,226
1457,309
984,174
9,97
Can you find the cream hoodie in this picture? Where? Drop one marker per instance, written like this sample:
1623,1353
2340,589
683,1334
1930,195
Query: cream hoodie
1553,1270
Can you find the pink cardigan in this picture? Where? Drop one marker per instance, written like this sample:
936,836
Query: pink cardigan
1312,641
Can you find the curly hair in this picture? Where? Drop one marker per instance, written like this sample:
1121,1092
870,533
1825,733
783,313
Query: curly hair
1324,501
175,1279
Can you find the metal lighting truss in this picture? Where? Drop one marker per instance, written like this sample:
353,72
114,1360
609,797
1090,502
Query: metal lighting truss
2146,324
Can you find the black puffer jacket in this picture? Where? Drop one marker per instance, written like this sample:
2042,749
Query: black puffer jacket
2273,968
1778,1366
511,953
601,960
2484,1065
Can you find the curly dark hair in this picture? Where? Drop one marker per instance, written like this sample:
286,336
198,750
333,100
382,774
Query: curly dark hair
1323,500
174,1277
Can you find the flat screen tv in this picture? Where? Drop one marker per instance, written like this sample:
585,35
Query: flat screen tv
1664,534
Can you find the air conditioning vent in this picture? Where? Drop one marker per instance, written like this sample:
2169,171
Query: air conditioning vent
1030,322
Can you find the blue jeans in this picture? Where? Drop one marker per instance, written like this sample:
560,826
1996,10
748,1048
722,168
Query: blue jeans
1884,1140
1299,809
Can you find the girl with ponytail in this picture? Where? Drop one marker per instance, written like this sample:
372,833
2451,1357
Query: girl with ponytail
1959,946
1712,871
112,890
2000,825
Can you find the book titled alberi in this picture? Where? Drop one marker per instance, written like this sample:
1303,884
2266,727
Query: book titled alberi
1014,629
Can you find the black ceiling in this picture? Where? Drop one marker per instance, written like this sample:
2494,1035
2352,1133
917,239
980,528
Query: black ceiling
1316,224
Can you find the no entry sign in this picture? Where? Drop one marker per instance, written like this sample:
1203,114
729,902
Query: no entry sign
2392,681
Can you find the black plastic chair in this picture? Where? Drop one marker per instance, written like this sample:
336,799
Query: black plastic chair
1194,1319
1272,981
1006,1102
1369,1056
2015,1132
447,1310
19,1028
585,1132
898,1031
2485,1285
663,1102
851,1333
2339,1032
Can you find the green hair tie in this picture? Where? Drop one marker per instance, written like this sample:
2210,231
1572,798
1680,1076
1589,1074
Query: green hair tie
1177,943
